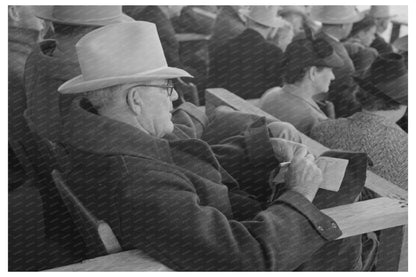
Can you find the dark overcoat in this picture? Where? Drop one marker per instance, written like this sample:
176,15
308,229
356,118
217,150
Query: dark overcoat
247,65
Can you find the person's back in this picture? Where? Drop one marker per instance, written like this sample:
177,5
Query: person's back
248,65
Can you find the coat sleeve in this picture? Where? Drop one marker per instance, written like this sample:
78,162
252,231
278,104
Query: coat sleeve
168,223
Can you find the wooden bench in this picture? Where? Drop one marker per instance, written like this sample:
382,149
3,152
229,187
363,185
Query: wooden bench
391,223
388,212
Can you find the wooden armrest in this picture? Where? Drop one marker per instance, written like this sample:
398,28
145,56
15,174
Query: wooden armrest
182,37
215,97
132,260
367,216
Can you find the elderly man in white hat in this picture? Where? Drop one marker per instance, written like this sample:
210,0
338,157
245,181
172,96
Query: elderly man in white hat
169,198
337,23
382,16
249,64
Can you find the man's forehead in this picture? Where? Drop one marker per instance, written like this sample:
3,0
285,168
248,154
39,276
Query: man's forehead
156,82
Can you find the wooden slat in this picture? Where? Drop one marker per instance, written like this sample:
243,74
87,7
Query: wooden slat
133,260
371,215
181,37
217,96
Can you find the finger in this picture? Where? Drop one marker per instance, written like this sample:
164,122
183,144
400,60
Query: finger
301,151
310,157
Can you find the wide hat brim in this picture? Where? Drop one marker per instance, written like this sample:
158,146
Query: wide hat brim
101,22
351,19
79,85
396,89
275,23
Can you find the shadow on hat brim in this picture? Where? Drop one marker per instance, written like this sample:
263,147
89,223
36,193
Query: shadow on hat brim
79,85
357,17
123,18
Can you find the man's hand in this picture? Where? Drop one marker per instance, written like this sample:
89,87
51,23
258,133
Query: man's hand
304,176
284,130
284,150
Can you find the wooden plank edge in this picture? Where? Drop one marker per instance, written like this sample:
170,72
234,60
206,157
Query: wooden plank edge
371,215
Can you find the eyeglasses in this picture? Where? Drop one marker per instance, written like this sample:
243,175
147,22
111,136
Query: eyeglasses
169,88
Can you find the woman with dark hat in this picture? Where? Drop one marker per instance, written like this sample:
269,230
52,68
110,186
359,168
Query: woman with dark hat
383,97
308,72
358,44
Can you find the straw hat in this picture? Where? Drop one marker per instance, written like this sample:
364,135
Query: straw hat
264,15
380,12
84,15
336,14
120,54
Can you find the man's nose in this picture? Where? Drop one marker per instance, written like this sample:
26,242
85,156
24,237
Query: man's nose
174,95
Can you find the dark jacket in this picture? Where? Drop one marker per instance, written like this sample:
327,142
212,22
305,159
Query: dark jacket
381,45
228,25
361,55
167,198
247,65
341,90
164,27
46,69
21,43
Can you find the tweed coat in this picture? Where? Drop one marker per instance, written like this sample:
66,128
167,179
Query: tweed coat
167,198
341,90
247,65
384,142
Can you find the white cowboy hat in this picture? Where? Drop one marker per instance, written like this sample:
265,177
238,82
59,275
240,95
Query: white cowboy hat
120,54
264,15
336,14
84,15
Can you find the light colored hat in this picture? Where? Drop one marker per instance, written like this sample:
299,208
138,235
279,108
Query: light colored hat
120,54
380,12
283,10
85,15
264,15
401,43
336,14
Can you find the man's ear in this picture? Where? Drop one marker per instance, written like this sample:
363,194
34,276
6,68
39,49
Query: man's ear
14,13
312,73
134,101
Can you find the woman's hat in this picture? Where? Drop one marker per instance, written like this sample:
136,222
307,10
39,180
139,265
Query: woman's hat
120,54
336,14
387,75
264,15
85,15
303,53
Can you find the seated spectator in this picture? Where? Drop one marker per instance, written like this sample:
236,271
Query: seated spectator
228,24
308,72
49,65
167,197
24,32
195,19
249,64
382,16
358,44
384,100
298,17
283,35
337,23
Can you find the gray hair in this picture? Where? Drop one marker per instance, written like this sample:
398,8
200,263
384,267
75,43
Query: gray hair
105,97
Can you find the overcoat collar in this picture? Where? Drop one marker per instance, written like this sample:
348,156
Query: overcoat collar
90,132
